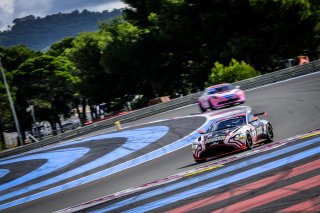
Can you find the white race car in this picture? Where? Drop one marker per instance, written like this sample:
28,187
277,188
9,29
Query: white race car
235,132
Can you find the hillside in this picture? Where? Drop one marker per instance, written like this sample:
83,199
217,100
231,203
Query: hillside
39,33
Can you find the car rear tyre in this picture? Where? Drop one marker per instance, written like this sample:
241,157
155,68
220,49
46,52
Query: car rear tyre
249,142
269,133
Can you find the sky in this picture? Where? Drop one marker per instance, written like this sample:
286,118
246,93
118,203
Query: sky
11,9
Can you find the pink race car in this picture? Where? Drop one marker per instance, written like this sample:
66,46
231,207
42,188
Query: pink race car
221,95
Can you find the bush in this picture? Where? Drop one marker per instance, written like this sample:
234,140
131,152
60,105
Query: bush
236,71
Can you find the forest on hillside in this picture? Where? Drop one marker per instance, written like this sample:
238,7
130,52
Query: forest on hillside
156,48
39,33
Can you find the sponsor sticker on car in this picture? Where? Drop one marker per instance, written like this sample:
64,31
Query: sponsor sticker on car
216,138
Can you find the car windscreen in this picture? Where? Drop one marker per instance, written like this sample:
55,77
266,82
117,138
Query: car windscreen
223,88
211,91
230,123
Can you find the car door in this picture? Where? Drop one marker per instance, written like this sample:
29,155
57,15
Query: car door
257,128
258,125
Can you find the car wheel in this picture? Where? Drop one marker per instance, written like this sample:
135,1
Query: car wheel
201,108
200,161
269,133
249,142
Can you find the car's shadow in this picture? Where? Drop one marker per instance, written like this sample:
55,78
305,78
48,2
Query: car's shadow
220,156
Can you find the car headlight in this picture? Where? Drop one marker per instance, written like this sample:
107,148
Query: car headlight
239,136
195,145
240,92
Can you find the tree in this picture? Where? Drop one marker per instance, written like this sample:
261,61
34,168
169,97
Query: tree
59,48
120,58
236,71
48,83
11,59
202,32
140,58
139,11
5,114
85,53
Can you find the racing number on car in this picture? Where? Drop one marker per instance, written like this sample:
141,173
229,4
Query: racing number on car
253,132
259,130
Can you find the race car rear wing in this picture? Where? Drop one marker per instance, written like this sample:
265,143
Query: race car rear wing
261,113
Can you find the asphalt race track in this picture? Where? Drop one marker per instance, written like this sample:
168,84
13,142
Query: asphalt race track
150,155
270,181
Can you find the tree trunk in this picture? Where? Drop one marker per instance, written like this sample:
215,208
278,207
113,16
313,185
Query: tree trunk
84,114
53,127
93,112
58,121
76,105
55,119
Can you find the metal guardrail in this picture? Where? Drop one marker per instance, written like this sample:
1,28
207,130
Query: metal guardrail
262,80
280,75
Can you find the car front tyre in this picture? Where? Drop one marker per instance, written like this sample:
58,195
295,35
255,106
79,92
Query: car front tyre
249,142
202,109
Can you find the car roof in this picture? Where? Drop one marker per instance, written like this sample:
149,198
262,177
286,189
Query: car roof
231,117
